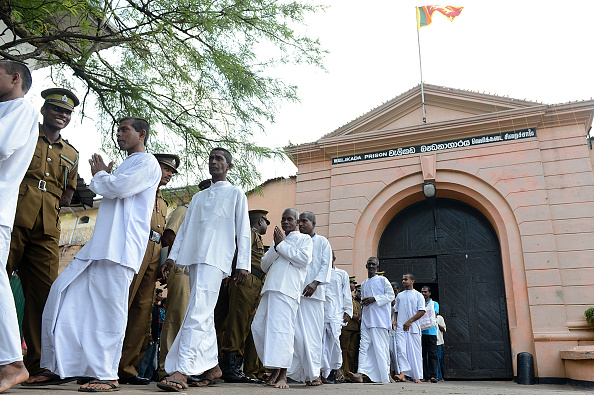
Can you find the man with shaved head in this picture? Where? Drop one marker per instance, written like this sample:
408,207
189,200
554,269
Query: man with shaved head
273,328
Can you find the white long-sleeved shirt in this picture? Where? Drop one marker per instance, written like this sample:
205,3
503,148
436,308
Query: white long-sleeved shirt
18,136
215,218
286,265
124,217
408,303
320,267
377,314
338,297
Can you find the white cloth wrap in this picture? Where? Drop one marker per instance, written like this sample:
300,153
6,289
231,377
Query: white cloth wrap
332,354
374,354
309,330
410,357
10,339
194,350
84,320
273,329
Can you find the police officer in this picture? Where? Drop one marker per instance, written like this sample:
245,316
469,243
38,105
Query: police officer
48,185
350,334
142,289
243,301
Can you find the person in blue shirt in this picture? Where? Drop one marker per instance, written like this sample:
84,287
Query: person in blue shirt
429,340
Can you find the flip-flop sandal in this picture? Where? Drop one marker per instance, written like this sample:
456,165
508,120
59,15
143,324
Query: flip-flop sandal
54,379
171,388
209,382
112,385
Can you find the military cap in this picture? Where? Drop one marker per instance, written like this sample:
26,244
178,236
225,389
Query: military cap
380,273
60,97
358,287
259,214
205,184
170,160
352,279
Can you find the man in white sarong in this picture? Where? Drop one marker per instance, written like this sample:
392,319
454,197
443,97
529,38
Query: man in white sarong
84,320
273,327
18,136
216,222
338,310
409,308
309,330
374,350
394,369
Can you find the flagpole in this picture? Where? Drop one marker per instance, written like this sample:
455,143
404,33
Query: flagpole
420,68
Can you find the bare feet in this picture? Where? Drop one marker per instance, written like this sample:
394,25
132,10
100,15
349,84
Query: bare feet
209,376
417,381
400,377
273,377
12,374
98,385
314,383
281,382
177,376
358,377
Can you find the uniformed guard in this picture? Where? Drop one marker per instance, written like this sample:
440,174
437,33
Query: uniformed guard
48,185
243,301
142,289
349,335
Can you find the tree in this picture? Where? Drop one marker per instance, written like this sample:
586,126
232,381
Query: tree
195,67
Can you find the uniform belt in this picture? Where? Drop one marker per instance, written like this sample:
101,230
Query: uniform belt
258,273
44,186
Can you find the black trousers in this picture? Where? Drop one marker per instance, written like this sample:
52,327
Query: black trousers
429,343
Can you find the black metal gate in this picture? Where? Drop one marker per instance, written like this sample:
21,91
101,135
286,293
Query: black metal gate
452,247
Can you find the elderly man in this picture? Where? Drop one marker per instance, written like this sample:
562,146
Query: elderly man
273,328
307,360
142,289
84,320
18,134
216,223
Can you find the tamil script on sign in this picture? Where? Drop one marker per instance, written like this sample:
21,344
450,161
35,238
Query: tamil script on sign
468,142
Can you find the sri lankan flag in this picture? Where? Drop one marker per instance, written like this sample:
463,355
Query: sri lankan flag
425,13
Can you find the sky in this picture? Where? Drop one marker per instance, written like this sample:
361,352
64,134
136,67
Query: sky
522,49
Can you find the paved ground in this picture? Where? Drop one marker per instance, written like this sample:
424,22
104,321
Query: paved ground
451,387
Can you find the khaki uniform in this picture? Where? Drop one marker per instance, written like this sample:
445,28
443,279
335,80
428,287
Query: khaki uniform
142,292
34,252
178,295
349,340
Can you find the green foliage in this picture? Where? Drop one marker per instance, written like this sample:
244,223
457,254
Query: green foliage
589,313
197,70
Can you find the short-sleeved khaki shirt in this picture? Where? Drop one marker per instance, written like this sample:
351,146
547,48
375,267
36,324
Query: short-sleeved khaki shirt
53,168
176,218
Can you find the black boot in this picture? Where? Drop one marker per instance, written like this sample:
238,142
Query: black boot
232,372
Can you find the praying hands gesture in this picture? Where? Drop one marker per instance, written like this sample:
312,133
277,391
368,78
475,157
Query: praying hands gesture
97,164
278,236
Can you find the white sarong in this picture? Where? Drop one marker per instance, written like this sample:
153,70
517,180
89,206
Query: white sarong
273,329
10,339
194,350
394,367
374,355
84,320
309,330
332,354
410,356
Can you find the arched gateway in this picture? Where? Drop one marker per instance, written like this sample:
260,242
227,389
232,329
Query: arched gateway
452,247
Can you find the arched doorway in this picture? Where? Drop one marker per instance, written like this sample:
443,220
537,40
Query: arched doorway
452,247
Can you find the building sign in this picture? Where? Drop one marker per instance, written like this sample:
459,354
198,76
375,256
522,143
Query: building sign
419,149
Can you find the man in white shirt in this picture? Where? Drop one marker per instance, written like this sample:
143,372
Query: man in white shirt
374,349
18,136
84,320
338,310
409,308
307,359
273,327
394,369
215,224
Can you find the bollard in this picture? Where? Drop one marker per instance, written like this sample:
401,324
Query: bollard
525,362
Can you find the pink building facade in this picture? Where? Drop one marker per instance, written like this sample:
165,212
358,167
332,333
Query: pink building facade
507,243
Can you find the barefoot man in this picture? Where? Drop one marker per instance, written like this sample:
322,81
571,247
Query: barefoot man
273,328
216,222
409,308
18,135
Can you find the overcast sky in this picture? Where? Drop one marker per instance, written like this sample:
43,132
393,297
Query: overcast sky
524,49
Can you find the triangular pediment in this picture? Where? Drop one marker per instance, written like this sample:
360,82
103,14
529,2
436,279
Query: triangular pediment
441,105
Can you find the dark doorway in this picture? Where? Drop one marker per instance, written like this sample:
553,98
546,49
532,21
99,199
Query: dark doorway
452,247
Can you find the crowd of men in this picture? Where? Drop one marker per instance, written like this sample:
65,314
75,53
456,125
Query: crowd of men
236,310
